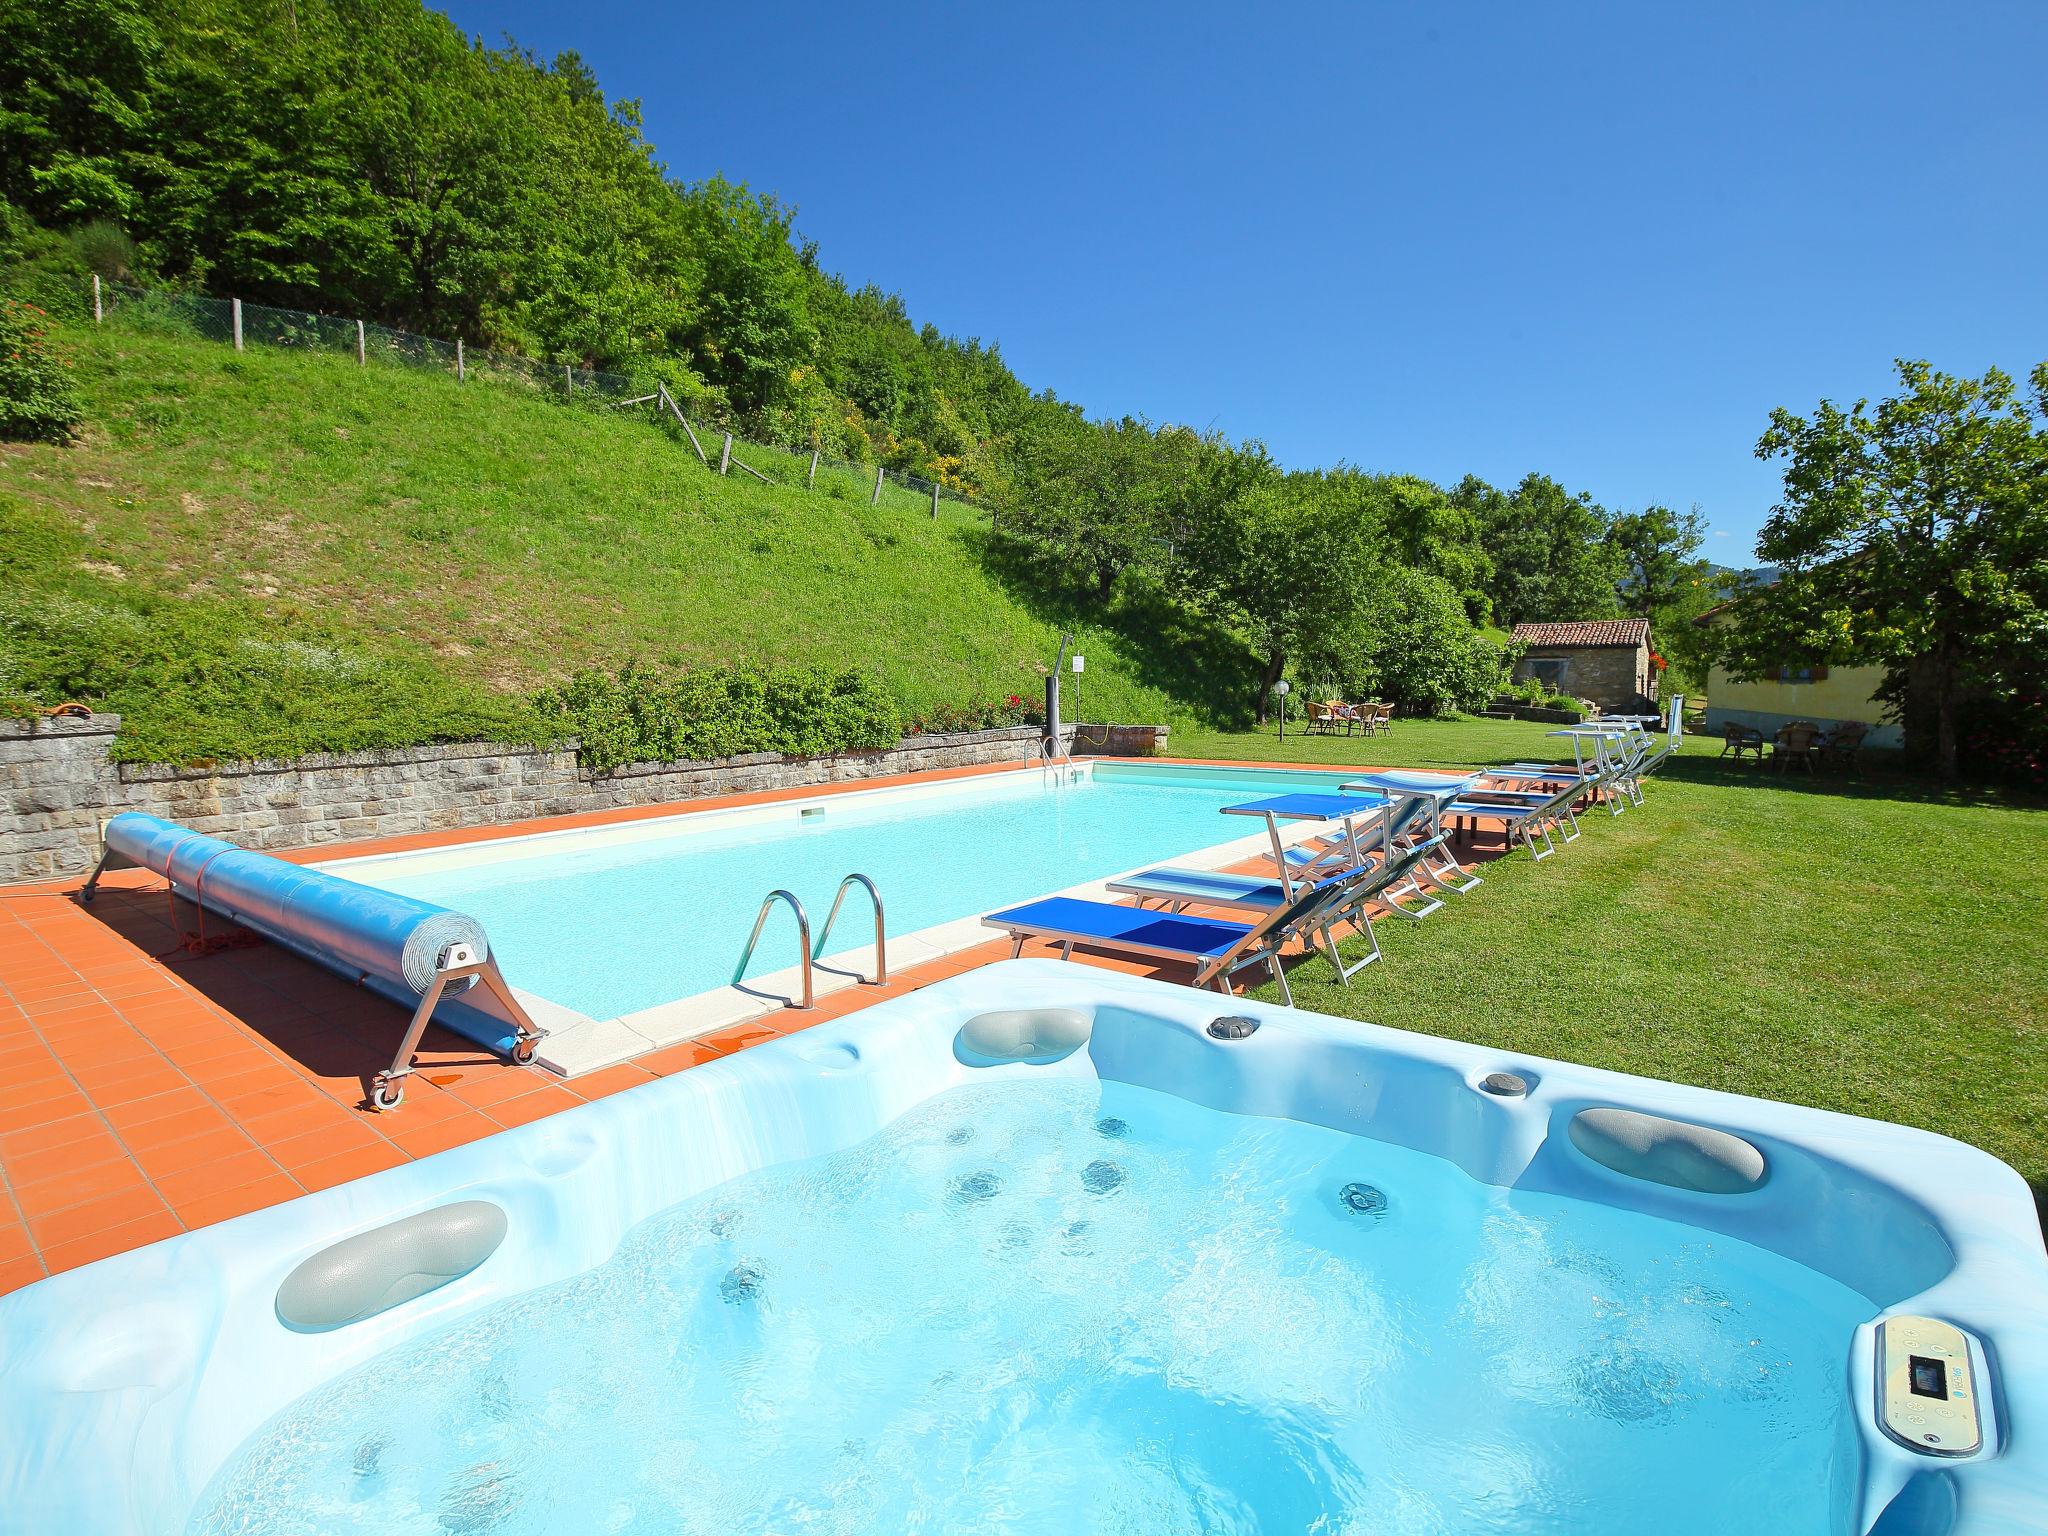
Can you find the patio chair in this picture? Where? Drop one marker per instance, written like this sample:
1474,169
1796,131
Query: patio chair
1179,889
1843,743
1324,718
1738,739
1377,718
1796,745
1216,949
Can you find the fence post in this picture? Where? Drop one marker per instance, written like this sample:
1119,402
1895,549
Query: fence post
461,364
362,347
935,501
725,455
876,499
811,480
97,312
568,384
237,311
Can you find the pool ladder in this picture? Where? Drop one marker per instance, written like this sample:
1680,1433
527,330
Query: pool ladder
810,952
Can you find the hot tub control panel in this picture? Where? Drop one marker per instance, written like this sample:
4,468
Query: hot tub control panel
1926,1391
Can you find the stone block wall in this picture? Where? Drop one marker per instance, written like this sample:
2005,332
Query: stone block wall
1612,676
60,785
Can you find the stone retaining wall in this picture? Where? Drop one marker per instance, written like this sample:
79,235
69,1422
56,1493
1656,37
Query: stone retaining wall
60,785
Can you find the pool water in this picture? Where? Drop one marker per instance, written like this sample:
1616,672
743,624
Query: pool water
614,929
1060,1306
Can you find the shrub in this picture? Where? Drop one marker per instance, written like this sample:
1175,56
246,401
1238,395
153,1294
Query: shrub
1419,651
37,402
647,714
993,716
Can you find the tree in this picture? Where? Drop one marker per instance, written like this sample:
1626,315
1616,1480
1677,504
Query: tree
1658,551
1549,552
1432,532
1284,562
1912,536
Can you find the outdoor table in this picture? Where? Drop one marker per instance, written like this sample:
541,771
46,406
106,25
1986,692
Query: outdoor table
1598,735
1308,807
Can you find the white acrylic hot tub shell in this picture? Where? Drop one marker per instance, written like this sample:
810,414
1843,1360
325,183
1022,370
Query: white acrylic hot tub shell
125,1385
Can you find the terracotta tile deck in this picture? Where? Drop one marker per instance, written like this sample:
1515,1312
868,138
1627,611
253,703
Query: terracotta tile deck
149,1087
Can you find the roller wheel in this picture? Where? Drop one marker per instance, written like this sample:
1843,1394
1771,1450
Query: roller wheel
388,1095
524,1051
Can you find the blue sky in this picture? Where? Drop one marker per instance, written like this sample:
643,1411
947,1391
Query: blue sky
1600,241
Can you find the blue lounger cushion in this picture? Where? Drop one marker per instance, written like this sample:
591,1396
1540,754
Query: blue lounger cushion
1492,808
1068,917
1210,885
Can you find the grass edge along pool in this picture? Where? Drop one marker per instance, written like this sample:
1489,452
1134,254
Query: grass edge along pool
125,1385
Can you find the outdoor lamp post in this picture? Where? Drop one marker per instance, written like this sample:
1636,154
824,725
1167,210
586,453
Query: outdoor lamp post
1281,688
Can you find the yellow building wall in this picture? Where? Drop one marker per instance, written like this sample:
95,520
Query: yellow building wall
1844,694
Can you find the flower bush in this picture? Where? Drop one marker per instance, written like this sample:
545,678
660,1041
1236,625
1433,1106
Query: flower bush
37,402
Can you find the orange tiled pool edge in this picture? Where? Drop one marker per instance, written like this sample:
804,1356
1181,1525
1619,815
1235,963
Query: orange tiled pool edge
153,1080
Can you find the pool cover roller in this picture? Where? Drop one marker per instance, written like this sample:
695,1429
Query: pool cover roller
393,944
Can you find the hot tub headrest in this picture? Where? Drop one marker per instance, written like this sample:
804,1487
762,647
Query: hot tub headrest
1674,1152
1037,1035
376,1270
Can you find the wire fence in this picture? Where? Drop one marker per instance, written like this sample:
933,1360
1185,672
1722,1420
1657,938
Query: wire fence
241,325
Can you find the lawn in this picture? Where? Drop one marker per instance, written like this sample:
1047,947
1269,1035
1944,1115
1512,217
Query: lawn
1867,944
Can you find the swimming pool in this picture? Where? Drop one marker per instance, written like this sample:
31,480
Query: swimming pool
619,922
1142,1280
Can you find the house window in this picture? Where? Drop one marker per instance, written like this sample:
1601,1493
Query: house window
1801,674
1547,670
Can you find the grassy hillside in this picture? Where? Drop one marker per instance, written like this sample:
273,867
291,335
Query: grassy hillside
372,556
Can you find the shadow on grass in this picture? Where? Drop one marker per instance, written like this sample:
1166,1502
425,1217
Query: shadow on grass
1191,659
1880,777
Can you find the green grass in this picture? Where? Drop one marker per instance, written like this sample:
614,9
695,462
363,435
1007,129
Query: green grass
497,540
1863,944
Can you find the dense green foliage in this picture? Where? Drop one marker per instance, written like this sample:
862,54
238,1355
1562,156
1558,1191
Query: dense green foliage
640,714
37,402
1914,536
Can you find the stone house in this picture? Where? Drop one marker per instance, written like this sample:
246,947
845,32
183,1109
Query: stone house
1608,661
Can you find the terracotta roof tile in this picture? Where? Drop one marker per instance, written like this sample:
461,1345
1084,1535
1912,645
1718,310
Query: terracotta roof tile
1628,632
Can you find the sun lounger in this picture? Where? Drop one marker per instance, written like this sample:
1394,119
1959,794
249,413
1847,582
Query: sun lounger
1520,818
1408,820
1215,948
1179,889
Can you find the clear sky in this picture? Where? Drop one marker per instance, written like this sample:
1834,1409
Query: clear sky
1597,240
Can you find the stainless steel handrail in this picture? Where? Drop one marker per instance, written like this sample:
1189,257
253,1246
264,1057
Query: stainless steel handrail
874,896
803,933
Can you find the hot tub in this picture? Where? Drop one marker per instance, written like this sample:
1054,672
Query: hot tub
1049,1249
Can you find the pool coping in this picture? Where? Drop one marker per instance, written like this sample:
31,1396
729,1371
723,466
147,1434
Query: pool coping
577,1043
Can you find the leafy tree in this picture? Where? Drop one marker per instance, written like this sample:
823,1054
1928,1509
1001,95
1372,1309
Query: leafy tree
1434,533
1549,552
1658,551
1913,536
75,82
1282,561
